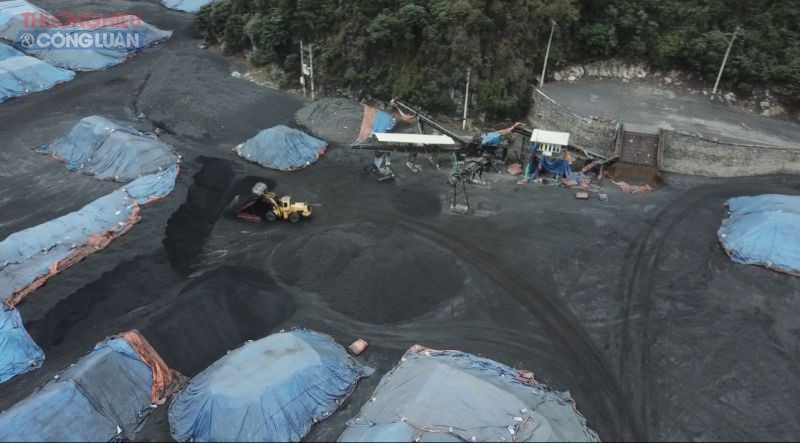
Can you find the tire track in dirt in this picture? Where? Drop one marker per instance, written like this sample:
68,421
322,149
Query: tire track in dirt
638,282
582,353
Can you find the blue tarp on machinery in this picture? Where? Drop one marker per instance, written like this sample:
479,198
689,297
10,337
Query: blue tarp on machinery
764,230
111,150
22,75
186,5
454,396
272,389
282,148
103,397
18,352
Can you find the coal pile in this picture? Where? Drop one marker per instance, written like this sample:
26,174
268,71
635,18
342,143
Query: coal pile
335,120
375,274
417,202
215,313
192,223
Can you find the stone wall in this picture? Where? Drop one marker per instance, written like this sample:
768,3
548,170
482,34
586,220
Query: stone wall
682,152
690,154
593,134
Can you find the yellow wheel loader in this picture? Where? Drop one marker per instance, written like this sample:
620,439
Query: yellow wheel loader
266,205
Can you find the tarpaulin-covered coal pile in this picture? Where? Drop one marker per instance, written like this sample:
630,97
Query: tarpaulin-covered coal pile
764,230
21,75
272,389
106,395
454,396
109,149
282,148
18,352
29,257
186,5
337,120
113,43
12,17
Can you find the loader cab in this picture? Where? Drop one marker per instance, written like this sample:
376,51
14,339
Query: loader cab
286,201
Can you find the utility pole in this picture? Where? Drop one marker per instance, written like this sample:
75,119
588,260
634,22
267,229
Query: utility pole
724,60
311,67
303,68
466,101
547,53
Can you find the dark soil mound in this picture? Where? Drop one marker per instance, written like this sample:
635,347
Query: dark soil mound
335,120
376,274
191,224
130,285
215,313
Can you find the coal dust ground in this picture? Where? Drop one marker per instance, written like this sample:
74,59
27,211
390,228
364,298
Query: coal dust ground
630,304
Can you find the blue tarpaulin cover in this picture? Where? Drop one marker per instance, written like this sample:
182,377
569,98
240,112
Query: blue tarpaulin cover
282,148
28,258
18,352
557,166
7,51
104,396
12,17
186,5
21,75
111,150
384,122
272,389
39,252
141,33
454,396
764,230
490,139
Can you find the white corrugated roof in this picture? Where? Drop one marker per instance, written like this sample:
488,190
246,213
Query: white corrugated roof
417,139
550,137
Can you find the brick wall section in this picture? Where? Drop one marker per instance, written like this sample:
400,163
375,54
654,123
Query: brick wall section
682,152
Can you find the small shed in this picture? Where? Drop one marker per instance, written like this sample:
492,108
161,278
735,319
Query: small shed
550,143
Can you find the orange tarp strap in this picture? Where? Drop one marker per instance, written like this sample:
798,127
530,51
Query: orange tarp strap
165,380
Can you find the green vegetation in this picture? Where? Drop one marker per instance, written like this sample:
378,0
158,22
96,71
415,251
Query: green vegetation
420,50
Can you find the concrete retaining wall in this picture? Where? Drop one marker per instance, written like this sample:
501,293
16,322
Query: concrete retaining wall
682,152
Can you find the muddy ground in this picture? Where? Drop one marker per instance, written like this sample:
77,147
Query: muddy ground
629,304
